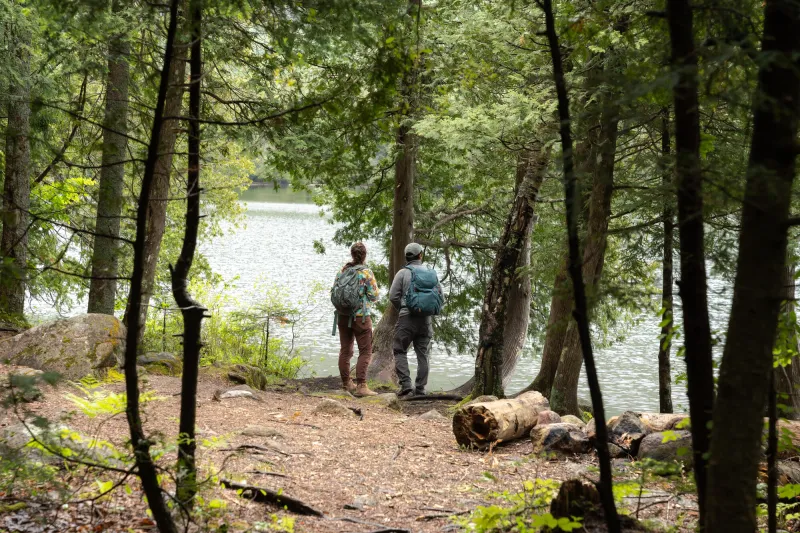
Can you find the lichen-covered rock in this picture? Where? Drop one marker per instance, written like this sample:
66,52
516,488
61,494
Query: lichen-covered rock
73,347
627,431
678,447
572,419
388,400
56,443
333,408
662,421
563,438
548,417
162,360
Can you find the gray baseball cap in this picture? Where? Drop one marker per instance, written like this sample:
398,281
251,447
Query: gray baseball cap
413,250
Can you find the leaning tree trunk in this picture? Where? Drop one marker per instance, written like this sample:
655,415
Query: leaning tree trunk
664,347
192,311
747,359
519,302
145,468
692,286
105,254
571,198
503,281
564,393
16,186
160,193
787,377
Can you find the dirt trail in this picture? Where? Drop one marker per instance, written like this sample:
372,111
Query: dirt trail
387,470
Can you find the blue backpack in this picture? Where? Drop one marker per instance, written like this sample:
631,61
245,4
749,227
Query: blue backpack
424,295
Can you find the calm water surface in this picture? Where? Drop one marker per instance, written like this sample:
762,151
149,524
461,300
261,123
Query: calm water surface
276,246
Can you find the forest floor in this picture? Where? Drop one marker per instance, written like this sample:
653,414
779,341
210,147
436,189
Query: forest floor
384,471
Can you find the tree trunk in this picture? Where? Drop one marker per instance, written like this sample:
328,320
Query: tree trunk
482,424
747,359
159,195
145,467
382,366
504,279
564,393
103,286
664,374
519,301
571,198
692,286
16,186
191,311
787,377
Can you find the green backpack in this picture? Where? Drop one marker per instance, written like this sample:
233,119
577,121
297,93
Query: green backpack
346,295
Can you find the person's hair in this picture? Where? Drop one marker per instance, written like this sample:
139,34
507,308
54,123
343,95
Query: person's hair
359,254
410,257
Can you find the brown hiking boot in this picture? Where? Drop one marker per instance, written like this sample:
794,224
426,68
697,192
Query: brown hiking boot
363,390
349,386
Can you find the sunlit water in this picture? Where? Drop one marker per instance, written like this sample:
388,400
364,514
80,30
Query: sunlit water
276,246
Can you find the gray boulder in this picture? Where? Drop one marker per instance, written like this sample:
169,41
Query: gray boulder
388,400
627,431
561,438
548,417
675,449
74,347
333,408
433,415
572,419
56,443
164,360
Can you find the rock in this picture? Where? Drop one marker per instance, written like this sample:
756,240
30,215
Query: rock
333,394
615,452
238,393
388,400
261,431
73,347
590,428
160,360
585,406
434,415
627,431
361,502
57,442
572,419
334,408
563,438
237,378
548,417
662,421
482,399
679,449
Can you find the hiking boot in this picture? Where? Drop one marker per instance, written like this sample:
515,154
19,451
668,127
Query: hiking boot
405,392
363,390
349,386
420,392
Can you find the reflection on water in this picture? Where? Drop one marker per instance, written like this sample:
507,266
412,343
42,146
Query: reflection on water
277,245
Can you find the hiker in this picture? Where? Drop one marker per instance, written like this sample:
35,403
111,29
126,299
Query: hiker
417,295
353,294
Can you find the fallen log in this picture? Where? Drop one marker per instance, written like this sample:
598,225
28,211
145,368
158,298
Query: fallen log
428,397
482,424
265,495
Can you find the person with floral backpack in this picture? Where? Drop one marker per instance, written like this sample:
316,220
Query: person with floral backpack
353,293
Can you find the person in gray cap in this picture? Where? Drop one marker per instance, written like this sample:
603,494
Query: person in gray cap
414,324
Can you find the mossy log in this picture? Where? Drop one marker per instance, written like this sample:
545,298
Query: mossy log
480,425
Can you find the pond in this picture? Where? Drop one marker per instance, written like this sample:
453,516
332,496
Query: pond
276,246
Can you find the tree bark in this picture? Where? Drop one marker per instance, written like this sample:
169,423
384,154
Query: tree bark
747,359
491,356
664,348
105,254
16,185
564,392
146,469
191,311
159,195
482,424
692,286
605,486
